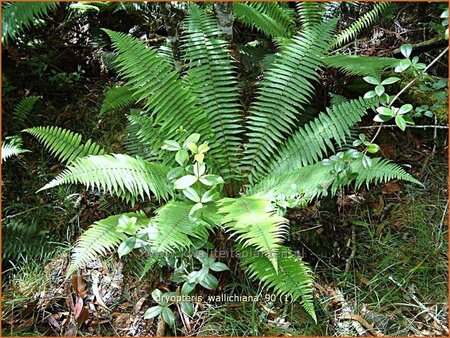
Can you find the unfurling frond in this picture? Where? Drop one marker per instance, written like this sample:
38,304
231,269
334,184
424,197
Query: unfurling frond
64,144
172,230
363,22
24,108
117,98
272,18
12,146
293,279
18,16
361,65
100,239
155,82
286,88
310,13
254,222
308,144
122,175
212,78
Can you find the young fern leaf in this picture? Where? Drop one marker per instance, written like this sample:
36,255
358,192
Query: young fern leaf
254,222
310,13
117,98
24,108
12,147
18,16
64,144
271,18
212,78
361,65
155,82
286,88
363,22
308,144
100,239
133,144
292,280
122,175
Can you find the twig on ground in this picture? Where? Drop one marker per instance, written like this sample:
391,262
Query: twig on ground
353,253
421,305
408,126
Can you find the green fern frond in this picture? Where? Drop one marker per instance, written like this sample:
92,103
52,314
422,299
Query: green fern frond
134,143
18,16
336,99
284,91
121,175
155,82
254,223
117,98
24,240
23,108
271,18
64,144
381,171
292,280
100,239
361,65
315,180
306,183
363,22
212,78
12,146
308,144
310,13
172,230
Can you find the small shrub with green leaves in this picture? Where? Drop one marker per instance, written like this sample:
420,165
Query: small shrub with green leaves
211,165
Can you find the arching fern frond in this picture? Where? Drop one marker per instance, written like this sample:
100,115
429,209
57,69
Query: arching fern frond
122,175
308,144
293,278
155,82
117,98
24,108
100,239
254,223
310,13
172,230
18,16
363,22
284,91
306,183
12,146
315,180
272,18
361,65
64,144
380,171
212,78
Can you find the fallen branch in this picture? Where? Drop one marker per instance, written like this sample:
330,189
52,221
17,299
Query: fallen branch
407,126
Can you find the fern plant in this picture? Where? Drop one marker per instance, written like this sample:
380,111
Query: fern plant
18,16
212,165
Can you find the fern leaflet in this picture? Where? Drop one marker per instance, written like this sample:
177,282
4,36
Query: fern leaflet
64,144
